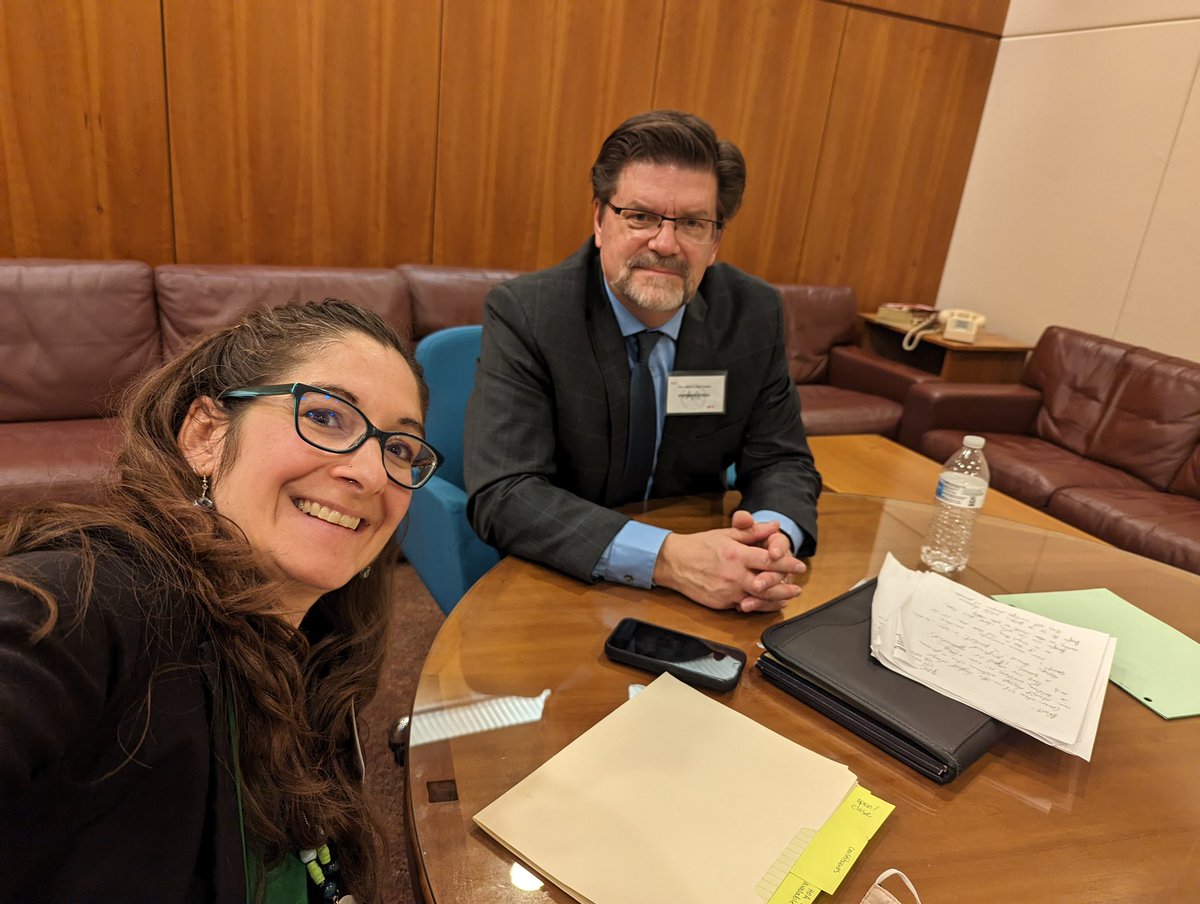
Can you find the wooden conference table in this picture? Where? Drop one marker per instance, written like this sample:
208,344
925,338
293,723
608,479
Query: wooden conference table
518,672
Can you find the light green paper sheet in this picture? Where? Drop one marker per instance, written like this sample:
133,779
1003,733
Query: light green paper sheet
1155,663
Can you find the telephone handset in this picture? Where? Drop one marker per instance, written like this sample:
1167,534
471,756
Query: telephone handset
959,325
955,324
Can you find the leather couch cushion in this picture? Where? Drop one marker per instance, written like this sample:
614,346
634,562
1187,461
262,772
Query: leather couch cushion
51,461
1076,373
73,335
1152,423
1031,469
1187,481
1161,526
815,319
830,410
449,296
194,299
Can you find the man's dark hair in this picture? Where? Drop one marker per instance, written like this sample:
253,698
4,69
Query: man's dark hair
669,136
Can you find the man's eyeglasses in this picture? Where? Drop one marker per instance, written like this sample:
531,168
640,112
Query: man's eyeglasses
696,230
334,425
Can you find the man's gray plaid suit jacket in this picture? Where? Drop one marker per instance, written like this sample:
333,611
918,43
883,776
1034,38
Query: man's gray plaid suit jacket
547,423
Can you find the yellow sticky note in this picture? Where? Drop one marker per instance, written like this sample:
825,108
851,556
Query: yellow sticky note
829,856
794,890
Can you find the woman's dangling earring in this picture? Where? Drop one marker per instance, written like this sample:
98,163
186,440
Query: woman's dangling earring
202,501
365,572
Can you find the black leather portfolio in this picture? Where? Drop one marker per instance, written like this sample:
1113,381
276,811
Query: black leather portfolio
824,659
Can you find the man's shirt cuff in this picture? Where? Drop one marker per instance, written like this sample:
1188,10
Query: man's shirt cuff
630,557
786,524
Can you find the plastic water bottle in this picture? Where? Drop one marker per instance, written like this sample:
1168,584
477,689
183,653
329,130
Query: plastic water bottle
960,493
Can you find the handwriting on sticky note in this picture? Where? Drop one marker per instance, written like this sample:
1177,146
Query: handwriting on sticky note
794,890
838,844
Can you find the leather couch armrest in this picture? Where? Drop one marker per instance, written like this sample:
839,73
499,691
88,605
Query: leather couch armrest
970,407
854,368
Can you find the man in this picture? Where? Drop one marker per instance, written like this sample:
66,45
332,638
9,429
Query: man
590,373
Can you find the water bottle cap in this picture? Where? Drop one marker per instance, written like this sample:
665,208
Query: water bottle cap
974,442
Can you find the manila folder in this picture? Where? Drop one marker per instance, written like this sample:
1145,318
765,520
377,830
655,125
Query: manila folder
671,797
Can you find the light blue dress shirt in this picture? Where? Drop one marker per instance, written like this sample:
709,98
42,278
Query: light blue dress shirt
630,557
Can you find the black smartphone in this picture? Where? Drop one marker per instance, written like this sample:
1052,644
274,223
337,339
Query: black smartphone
694,660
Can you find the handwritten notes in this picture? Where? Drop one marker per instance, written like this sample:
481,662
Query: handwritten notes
1157,664
826,857
1041,676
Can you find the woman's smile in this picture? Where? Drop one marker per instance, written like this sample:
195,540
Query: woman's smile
325,513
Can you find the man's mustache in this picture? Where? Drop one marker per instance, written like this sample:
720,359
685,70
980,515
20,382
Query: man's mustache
653,261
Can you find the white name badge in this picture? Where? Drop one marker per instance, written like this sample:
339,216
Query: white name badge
696,392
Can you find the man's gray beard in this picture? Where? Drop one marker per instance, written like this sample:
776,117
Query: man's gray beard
657,297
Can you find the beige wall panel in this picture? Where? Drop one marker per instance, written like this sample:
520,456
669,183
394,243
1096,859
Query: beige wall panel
1067,166
1160,307
980,15
761,73
83,130
302,133
906,105
1031,17
530,88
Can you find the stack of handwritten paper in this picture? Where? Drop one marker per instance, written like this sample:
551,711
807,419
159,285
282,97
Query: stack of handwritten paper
676,797
1041,676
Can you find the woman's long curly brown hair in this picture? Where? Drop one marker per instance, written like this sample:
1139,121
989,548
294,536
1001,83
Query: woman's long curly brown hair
293,695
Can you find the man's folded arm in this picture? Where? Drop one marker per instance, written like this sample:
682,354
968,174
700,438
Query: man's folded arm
508,456
775,469
630,557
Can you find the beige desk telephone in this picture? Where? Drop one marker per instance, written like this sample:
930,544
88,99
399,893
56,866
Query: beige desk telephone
955,324
959,325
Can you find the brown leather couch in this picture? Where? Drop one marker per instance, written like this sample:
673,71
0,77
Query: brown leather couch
842,388
75,334
1098,433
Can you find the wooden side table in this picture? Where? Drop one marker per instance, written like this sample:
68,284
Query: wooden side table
992,358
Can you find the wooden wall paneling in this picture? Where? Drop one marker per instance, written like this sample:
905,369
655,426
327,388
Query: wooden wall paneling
83,131
979,15
303,133
905,110
530,88
8,118
761,72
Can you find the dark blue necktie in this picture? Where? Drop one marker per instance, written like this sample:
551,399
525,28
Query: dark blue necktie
643,421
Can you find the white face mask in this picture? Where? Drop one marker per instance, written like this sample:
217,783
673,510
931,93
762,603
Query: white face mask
877,894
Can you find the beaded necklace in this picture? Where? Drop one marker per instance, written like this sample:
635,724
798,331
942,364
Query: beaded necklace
324,871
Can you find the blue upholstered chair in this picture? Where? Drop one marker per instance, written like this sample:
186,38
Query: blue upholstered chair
436,536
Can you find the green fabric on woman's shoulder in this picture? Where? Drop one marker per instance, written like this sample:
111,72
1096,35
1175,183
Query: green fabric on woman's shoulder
287,883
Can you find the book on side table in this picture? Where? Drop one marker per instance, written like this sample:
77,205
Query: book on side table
904,315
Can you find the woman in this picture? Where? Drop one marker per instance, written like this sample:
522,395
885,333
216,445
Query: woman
180,665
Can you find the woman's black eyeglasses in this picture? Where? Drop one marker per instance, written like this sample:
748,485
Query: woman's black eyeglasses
332,424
